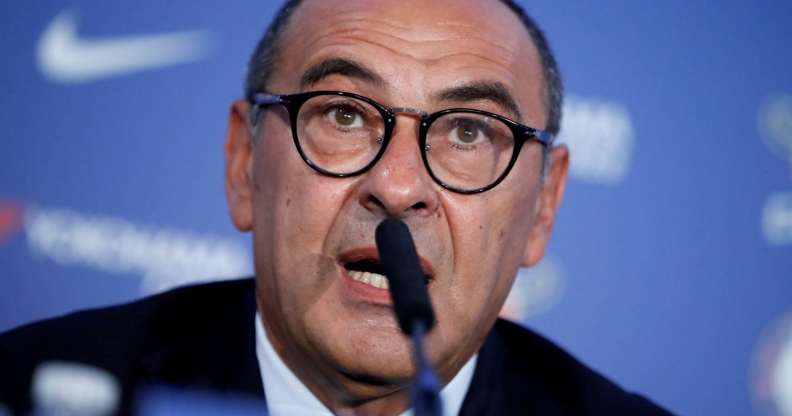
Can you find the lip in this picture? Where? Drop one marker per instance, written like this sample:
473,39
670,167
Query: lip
369,293
363,253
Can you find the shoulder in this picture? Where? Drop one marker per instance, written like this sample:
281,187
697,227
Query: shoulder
119,322
114,338
532,373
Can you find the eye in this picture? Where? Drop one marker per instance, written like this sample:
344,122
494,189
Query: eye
345,116
468,133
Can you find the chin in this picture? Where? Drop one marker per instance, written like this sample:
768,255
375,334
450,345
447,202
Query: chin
378,358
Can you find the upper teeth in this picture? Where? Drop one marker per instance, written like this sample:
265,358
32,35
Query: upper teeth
371,279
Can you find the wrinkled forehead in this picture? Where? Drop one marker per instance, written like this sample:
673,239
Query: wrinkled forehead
424,45
422,18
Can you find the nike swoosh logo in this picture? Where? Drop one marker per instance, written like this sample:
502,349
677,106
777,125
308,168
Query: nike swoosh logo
64,56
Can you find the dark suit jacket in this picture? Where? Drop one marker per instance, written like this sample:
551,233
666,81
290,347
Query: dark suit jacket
203,336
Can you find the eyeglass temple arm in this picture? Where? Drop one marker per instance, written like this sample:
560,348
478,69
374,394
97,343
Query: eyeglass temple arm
259,101
264,99
544,137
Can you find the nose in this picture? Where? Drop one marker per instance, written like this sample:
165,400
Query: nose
398,185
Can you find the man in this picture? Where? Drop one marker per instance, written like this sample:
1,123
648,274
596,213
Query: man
347,123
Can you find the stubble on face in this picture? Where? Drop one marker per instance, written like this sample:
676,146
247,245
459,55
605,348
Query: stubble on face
347,349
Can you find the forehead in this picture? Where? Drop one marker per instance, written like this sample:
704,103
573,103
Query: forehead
417,46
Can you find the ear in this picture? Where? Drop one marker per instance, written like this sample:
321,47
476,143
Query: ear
547,205
239,164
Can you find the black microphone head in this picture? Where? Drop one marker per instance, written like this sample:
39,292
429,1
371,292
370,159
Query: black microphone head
405,277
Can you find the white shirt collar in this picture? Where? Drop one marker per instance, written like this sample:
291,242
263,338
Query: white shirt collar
287,395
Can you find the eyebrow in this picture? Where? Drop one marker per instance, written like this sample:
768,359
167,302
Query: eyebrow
339,66
482,90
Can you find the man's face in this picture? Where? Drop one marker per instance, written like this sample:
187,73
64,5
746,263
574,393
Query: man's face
308,227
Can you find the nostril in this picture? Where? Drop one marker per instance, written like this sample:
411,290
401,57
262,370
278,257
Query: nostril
375,202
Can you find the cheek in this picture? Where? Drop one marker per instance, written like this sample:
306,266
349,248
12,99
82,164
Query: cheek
294,211
301,206
489,236
490,225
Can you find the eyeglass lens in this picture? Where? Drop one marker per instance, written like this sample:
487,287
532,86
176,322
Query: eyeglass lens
339,134
468,151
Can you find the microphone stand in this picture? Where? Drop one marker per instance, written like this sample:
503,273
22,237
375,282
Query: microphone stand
426,387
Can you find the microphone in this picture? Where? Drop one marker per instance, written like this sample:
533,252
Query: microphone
405,277
412,307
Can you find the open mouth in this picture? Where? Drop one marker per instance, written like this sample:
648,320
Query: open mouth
371,272
368,271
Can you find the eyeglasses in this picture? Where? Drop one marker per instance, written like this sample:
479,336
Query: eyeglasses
342,134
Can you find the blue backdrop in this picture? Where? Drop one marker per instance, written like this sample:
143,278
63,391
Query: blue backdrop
675,238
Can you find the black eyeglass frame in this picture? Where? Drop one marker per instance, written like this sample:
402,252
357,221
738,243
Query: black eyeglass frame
293,102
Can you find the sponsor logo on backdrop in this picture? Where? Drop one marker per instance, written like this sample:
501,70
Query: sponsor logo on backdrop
65,56
775,128
163,257
772,369
535,291
600,137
